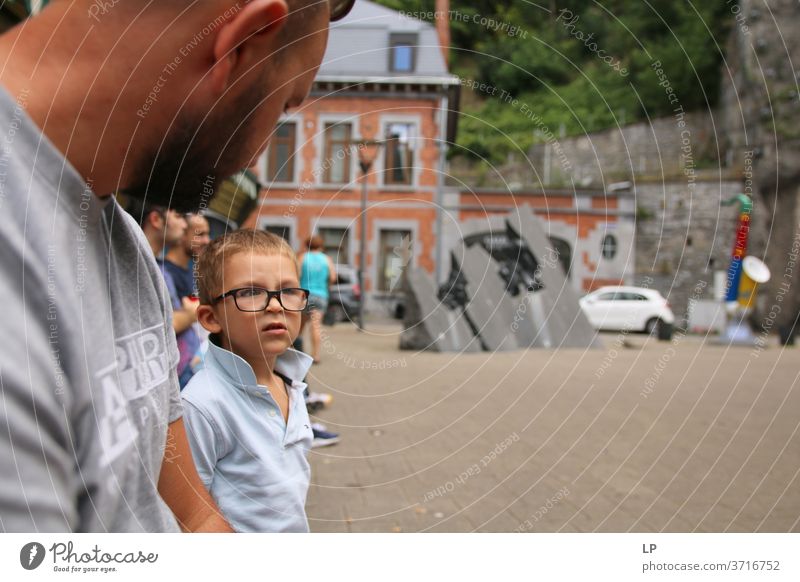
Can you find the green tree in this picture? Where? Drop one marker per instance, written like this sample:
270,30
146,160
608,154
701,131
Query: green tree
579,65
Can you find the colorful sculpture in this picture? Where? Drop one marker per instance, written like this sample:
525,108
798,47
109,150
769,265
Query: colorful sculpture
745,273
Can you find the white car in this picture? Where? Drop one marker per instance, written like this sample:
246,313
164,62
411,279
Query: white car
626,308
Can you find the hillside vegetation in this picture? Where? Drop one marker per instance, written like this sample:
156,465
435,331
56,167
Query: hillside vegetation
532,71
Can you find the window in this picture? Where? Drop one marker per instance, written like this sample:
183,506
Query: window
609,246
281,152
395,255
608,297
336,244
283,231
627,296
399,155
338,137
402,53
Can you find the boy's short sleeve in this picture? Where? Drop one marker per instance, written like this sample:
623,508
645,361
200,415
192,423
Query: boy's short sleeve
204,441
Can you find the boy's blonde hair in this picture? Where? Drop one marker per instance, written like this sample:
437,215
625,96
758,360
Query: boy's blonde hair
212,261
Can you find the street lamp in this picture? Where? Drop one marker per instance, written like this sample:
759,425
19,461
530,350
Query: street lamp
367,152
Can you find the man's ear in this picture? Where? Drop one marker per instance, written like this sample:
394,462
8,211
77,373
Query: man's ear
257,20
155,220
208,319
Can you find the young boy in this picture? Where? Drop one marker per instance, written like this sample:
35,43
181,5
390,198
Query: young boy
244,411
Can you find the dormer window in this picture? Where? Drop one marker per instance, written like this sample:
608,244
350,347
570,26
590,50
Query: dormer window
402,52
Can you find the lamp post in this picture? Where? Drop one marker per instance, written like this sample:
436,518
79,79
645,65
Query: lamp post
367,152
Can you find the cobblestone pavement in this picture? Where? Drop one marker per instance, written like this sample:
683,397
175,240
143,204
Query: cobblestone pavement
639,436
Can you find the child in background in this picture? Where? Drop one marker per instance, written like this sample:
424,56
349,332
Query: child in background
244,411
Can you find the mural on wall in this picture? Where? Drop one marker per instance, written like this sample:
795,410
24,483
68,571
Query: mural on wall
507,289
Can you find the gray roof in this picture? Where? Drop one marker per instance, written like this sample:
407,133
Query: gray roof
358,47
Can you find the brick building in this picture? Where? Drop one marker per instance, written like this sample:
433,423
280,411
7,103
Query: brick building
384,77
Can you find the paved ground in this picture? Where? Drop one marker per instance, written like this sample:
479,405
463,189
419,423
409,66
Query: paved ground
646,436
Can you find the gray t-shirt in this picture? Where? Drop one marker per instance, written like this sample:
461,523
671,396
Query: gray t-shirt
87,364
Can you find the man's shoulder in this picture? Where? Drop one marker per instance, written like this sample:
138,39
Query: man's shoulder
135,265
174,268
128,239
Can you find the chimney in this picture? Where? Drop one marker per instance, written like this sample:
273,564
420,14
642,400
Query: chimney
443,28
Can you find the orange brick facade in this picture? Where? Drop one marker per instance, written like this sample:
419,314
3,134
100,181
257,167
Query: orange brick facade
581,220
308,203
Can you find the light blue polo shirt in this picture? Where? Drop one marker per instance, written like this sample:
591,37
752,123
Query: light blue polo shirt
251,461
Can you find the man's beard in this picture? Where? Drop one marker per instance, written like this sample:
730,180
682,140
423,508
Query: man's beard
178,172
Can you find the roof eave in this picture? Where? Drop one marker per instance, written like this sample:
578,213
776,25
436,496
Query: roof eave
447,80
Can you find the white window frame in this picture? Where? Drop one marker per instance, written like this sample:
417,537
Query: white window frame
416,147
297,119
346,223
613,237
289,221
354,119
374,248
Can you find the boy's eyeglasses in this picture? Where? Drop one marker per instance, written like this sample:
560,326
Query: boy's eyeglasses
340,8
253,299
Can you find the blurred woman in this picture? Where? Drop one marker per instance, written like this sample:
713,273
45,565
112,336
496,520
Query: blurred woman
316,273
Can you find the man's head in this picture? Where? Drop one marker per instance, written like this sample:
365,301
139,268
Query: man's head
231,274
185,90
162,227
197,234
258,61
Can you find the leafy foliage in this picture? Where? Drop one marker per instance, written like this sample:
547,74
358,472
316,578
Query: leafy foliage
578,66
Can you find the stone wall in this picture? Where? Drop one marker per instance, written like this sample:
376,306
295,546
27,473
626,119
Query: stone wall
666,147
683,237
761,110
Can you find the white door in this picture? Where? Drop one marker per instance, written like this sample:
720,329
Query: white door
604,311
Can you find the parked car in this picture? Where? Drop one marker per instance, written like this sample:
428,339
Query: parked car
345,296
627,308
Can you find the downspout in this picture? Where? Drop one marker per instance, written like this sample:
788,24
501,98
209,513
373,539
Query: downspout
444,104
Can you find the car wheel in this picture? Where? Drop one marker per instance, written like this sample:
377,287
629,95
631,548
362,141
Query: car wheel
651,327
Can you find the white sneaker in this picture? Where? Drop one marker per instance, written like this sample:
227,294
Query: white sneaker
319,399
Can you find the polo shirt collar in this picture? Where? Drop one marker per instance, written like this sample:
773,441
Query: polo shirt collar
292,364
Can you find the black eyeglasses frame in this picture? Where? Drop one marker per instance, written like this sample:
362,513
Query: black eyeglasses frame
270,295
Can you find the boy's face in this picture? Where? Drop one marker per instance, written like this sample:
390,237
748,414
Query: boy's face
246,333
